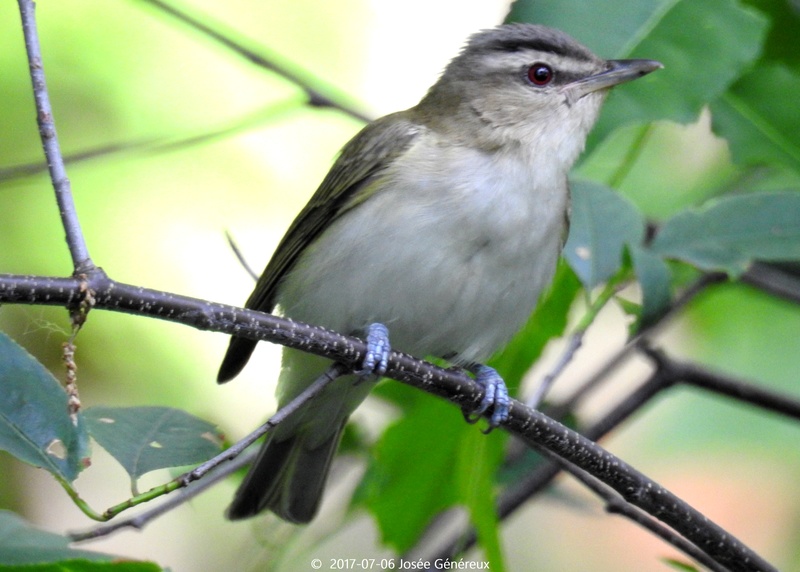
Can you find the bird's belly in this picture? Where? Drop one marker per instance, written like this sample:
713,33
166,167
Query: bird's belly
443,282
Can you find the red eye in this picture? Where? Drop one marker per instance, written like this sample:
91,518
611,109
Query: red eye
540,74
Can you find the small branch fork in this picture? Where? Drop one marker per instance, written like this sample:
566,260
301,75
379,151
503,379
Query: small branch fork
214,470
667,373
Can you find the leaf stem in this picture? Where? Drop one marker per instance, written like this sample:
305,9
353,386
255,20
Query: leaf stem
79,502
629,160
576,339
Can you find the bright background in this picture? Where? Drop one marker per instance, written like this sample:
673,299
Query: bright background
122,72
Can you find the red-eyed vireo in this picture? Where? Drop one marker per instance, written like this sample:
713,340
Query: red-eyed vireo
441,225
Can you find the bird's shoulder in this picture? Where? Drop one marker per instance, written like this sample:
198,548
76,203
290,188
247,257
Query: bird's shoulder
367,154
360,162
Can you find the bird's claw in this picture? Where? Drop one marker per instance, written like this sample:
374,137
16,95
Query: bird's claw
495,395
376,360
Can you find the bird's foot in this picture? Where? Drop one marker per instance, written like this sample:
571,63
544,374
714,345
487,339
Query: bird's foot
376,359
495,395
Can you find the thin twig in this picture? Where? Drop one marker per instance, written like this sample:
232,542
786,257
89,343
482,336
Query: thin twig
140,520
333,372
161,145
240,257
635,151
617,505
772,279
722,384
81,262
576,339
315,96
211,471
573,345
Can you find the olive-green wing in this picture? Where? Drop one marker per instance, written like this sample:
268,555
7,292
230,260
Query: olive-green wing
363,159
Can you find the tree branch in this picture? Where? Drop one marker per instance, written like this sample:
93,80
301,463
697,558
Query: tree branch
316,97
525,488
775,280
161,145
81,261
532,426
616,505
698,376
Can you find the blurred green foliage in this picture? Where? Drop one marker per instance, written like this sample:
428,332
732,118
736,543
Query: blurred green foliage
123,73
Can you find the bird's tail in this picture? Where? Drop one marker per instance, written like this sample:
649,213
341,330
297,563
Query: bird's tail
288,478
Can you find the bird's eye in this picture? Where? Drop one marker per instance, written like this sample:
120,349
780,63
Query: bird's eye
540,74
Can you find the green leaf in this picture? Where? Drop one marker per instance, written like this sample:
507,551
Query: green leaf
21,544
35,425
477,467
680,565
728,234
411,476
784,16
759,117
607,28
602,223
144,439
654,278
417,470
26,548
721,34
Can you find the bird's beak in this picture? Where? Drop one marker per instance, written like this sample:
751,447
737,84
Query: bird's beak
618,71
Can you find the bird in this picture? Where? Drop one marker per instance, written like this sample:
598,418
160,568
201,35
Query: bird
434,233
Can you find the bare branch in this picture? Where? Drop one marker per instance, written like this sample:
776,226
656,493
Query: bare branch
616,505
746,391
576,339
81,261
533,427
240,257
527,487
160,145
335,371
775,280
316,97
573,345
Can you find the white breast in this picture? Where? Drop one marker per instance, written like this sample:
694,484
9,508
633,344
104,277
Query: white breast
451,255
